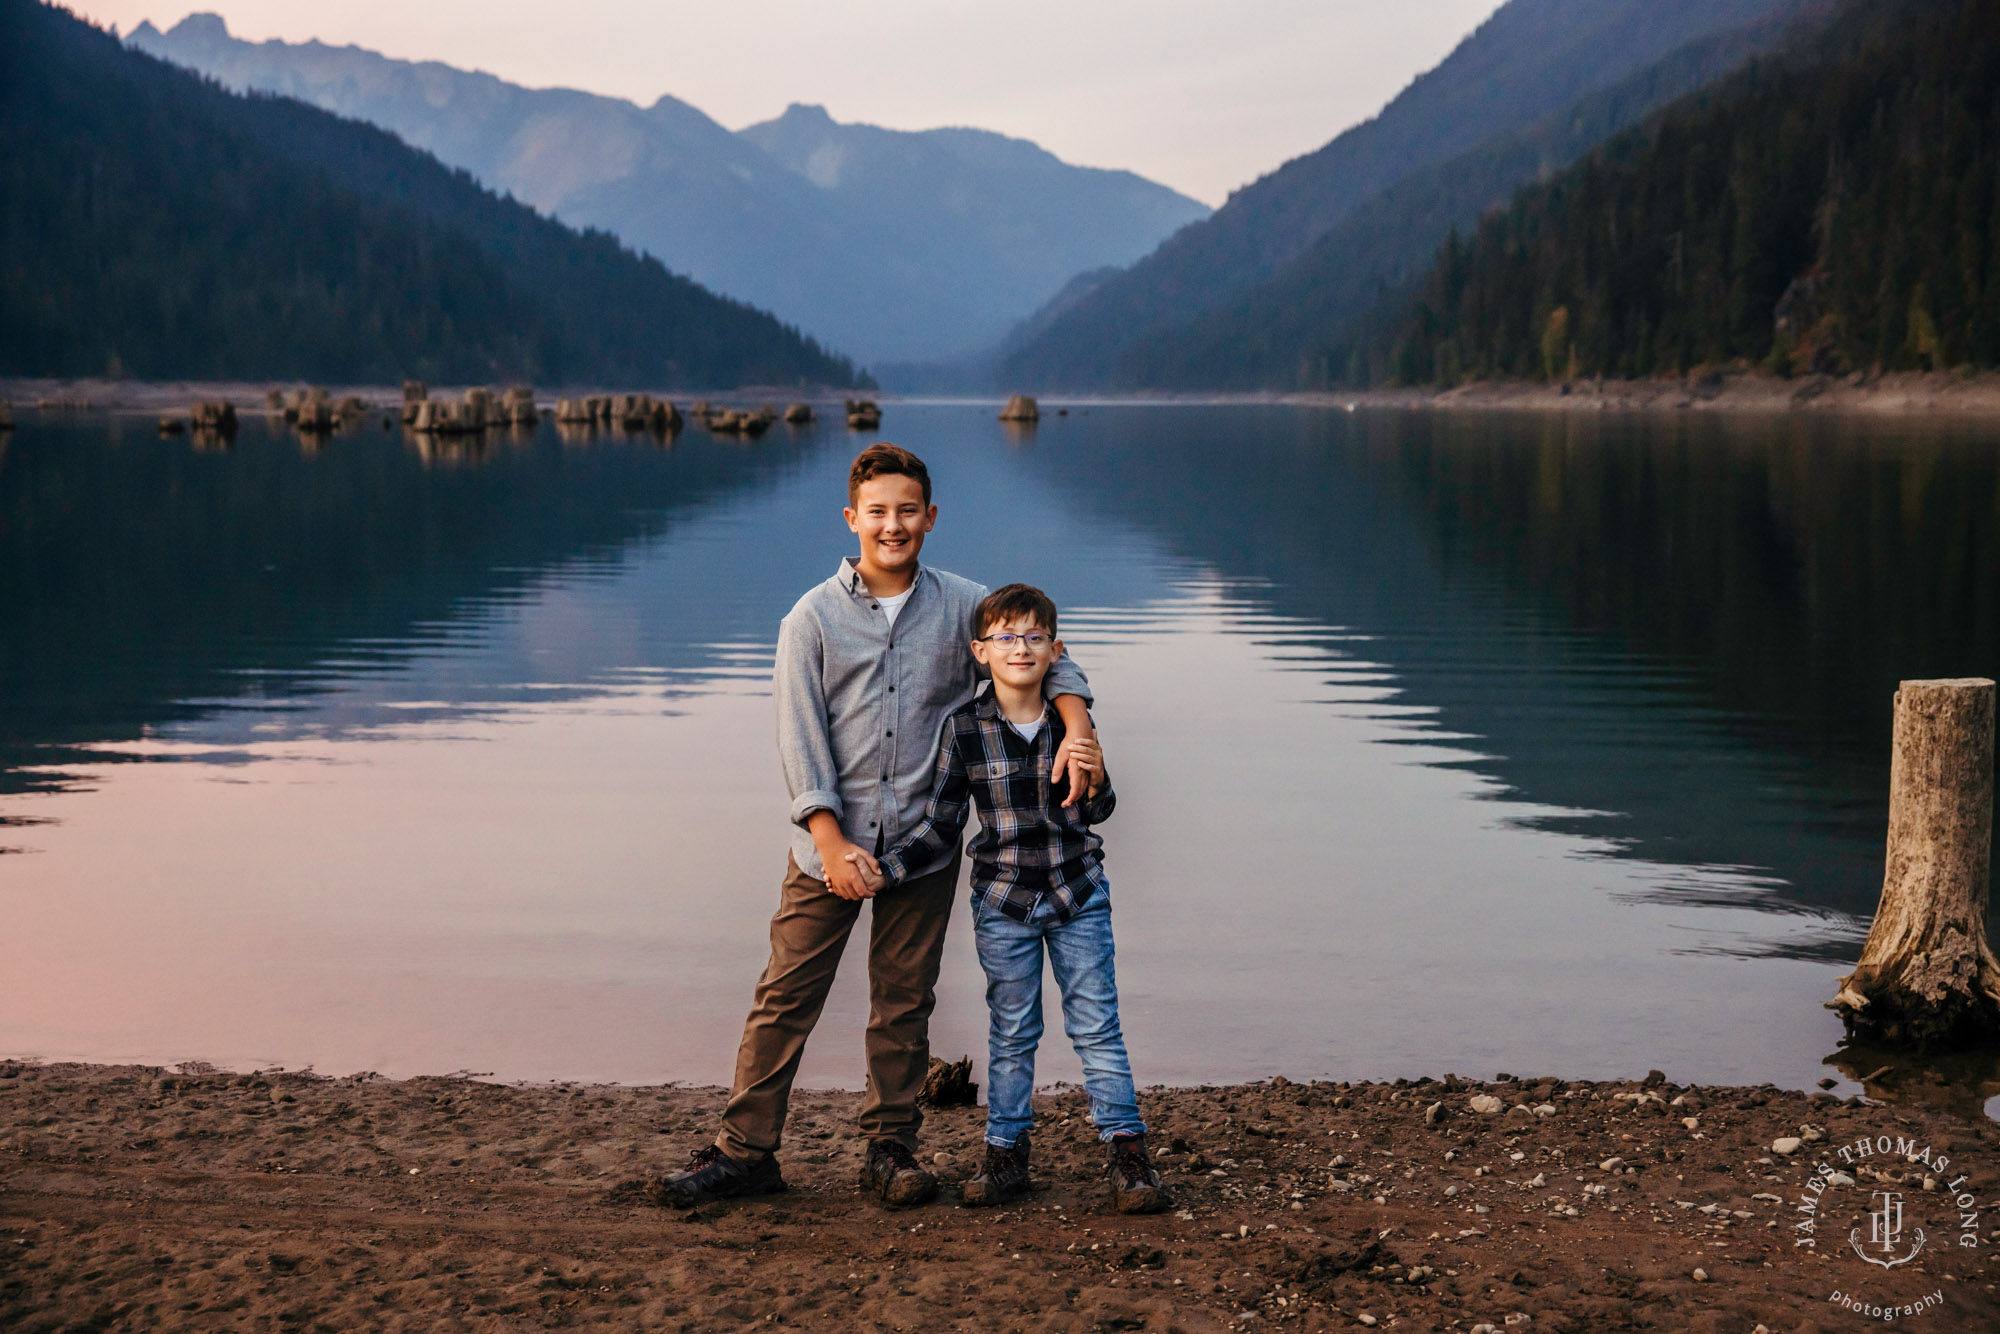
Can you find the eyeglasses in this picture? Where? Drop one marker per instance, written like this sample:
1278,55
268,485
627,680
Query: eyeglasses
1006,639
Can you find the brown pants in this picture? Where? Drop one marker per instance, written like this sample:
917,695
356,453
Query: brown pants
905,946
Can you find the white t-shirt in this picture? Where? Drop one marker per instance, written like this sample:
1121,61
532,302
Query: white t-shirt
1028,731
893,607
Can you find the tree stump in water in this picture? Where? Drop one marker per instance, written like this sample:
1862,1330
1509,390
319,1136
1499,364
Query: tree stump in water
1927,975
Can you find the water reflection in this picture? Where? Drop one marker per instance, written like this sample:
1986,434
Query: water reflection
1682,635
1435,732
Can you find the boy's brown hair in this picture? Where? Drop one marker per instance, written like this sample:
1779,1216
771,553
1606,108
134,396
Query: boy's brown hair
886,460
1022,601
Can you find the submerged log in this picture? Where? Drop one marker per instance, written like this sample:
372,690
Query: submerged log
1927,975
1021,408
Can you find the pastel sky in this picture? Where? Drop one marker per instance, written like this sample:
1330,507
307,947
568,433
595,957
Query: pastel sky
1203,95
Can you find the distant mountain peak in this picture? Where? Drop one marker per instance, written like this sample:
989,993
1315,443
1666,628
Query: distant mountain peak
197,28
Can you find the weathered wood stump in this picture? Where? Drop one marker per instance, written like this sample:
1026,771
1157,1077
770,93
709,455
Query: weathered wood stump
1927,975
949,1084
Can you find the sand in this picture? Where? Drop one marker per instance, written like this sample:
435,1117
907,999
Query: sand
136,1198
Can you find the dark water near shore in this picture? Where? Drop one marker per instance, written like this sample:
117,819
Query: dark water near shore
1443,743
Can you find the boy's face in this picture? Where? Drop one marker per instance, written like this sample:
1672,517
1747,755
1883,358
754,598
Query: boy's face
891,519
1021,665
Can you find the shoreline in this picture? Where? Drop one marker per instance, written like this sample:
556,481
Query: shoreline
1946,395
191,1198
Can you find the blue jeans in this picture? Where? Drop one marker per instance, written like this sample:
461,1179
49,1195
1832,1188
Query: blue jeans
1081,952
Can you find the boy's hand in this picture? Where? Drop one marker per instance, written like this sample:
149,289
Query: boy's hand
871,872
848,872
1085,758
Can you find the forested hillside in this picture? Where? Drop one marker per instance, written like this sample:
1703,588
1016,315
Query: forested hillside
1529,61
1834,208
153,224
1274,335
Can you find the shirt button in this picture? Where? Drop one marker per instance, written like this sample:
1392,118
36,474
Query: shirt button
892,690
889,734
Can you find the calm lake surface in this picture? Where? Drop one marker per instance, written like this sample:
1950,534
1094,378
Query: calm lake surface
1442,743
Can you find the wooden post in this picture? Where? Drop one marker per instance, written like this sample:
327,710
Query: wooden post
1927,976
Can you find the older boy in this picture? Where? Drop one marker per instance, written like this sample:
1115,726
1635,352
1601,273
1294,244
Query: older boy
1037,883
868,664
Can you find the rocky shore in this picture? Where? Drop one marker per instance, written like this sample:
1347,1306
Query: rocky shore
1941,394
134,1197
1971,395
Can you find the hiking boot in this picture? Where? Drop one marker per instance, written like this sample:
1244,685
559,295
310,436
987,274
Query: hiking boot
711,1174
1135,1186
1001,1177
891,1172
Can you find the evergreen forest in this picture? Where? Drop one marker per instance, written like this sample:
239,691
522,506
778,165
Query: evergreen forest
1830,209
153,224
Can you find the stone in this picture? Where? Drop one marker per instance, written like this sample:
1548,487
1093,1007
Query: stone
1432,1113
415,391
1611,1164
1485,1104
1701,1276
1786,1145
1020,408
798,414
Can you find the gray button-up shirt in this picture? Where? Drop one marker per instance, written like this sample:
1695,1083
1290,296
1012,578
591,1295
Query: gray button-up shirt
860,707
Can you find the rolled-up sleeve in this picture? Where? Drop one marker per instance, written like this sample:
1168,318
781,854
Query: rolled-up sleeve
1066,678
804,748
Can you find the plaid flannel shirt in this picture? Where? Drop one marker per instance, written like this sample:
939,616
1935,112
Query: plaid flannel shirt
1030,848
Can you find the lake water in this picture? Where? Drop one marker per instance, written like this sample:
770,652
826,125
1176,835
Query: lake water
1442,743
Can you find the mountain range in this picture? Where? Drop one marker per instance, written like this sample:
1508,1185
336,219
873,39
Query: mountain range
889,245
155,224
1242,298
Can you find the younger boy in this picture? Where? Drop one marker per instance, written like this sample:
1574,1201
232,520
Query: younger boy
1038,883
